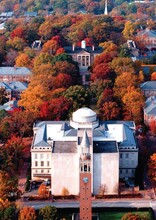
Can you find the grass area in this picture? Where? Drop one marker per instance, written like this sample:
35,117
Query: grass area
119,215
106,214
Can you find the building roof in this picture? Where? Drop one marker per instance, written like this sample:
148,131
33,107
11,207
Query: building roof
105,147
149,85
150,106
14,71
147,33
59,132
84,115
8,106
20,86
89,49
85,140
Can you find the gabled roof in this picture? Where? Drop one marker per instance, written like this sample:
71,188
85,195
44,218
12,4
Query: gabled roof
149,85
14,71
150,106
147,33
20,86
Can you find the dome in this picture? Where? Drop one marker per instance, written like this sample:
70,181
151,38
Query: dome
84,114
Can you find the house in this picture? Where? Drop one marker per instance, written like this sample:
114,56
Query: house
10,74
8,106
84,55
148,88
13,89
59,147
150,110
147,38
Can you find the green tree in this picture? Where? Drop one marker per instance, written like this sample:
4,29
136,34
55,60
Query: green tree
48,212
78,96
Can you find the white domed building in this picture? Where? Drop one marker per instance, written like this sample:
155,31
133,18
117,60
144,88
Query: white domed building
59,148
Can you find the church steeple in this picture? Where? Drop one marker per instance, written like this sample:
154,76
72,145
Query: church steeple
106,8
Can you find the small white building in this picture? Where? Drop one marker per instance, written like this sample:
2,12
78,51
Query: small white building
57,146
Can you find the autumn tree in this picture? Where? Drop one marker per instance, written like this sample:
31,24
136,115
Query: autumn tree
13,152
8,210
27,213
132,216
110,110
123,82
48,212
56,109
17,32
101,72
110,48
129,30
16,43
153,76
8,184
134,102
43,191
152,127
23,60
152,168
122,64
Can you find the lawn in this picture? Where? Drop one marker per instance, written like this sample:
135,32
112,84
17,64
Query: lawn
118,215
106,214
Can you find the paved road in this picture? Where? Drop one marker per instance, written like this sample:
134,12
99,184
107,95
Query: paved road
127,203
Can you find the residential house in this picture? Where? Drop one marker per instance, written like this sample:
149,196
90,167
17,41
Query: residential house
147,38
10,74
59,146
13,89
150,110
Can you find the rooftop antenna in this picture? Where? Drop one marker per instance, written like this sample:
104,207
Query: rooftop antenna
106,9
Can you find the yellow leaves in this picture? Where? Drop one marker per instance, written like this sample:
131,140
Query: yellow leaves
23,60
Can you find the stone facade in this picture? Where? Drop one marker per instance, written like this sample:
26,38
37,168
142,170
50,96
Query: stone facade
58,147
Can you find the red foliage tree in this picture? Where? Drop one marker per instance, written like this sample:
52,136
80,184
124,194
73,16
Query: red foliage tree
62,81
101,71
17,32
57,109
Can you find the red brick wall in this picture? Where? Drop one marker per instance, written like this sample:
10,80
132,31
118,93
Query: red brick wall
85,197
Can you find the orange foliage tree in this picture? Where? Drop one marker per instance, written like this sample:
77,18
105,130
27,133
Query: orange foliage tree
43,191
27,213
153,76
152,167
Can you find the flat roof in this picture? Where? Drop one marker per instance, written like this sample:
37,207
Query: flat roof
105,147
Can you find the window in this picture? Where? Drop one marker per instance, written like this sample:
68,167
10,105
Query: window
41,156
85,168
120,171
47,156
120,156
36,163
42,163
35,156
36,171
48,163
42,171
127,155
126,171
